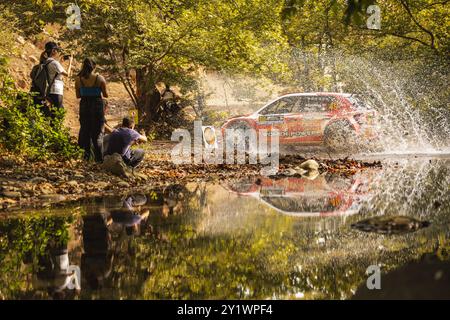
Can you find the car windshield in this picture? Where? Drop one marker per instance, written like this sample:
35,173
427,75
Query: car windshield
281,106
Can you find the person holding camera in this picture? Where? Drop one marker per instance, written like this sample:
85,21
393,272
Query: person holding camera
55,73
47,79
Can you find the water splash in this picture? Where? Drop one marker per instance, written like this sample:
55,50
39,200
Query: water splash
412,118
406,186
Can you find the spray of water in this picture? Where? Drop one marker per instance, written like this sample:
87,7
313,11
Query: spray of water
412,118
412,187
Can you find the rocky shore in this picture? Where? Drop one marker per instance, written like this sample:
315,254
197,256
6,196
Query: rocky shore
44,183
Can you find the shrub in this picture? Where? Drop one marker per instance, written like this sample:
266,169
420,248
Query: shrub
25,130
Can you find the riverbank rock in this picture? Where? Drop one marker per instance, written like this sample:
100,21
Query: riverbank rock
52,197
12,194
72,183
123,184
38,180
289,172
311,174
115,165
310,165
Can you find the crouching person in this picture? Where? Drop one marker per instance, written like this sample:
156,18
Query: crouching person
121,140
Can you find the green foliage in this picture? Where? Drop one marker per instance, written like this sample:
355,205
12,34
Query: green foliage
291,42
8,22
169,41
145,42
410,27
215,118
25,130
22,242
333,50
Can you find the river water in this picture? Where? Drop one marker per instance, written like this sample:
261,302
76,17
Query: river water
256,238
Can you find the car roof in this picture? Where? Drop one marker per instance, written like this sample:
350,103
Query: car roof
299,94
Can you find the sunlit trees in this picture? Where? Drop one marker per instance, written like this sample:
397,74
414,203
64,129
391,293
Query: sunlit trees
145,42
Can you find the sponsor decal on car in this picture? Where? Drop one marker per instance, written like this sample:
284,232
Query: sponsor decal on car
333,106
278,133
304,133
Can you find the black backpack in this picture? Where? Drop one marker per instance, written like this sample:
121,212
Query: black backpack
41,84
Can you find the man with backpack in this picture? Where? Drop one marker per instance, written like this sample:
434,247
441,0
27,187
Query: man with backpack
47,80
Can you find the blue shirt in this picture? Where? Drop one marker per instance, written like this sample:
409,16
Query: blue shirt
121,140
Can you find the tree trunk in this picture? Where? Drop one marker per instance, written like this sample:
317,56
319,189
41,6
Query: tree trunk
148,97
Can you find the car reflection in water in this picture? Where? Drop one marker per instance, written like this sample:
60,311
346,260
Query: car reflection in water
322,196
